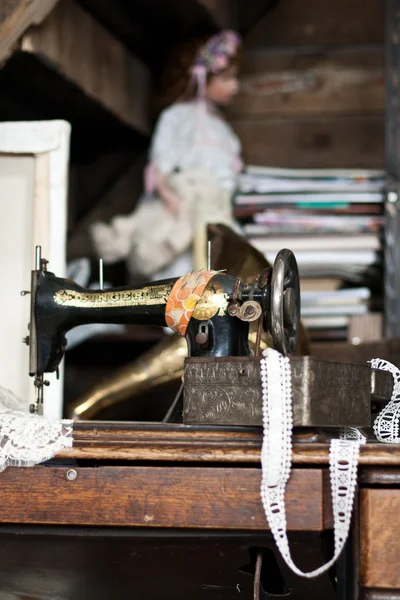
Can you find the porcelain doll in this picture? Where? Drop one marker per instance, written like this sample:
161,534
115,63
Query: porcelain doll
194,163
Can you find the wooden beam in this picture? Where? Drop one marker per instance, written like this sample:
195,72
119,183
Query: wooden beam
249,13
222,12
76,46
7,7
391,279
313,142
313,82
16,16
116,18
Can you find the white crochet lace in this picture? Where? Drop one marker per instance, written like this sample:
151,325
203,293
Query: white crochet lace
27,439
386,425
352,433
276,457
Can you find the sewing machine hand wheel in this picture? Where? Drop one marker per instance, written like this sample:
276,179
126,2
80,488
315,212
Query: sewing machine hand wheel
285,303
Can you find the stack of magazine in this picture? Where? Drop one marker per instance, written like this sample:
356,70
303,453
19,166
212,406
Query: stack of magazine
332,219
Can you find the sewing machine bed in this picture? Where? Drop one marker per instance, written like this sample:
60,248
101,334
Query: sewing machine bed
173,511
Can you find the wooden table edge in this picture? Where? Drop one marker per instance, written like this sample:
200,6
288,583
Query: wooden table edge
103,440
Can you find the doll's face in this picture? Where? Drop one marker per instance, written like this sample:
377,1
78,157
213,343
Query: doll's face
223,87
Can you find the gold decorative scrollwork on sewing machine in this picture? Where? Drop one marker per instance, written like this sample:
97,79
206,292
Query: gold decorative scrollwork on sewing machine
147,296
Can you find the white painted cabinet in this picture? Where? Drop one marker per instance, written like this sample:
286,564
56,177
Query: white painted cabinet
34,160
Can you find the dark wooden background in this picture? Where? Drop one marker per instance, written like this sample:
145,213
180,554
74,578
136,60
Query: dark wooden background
312,95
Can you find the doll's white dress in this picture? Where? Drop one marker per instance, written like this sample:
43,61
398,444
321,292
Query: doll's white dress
198,153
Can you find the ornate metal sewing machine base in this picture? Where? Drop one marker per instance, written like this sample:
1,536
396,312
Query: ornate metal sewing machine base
227,391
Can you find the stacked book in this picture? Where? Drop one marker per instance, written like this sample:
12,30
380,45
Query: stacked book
332,220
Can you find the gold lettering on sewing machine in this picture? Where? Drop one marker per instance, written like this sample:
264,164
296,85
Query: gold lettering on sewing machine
147,296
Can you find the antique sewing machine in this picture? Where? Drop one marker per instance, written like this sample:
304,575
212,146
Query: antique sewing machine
219,317
213,311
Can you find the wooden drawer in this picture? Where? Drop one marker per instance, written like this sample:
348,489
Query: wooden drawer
179,497
380,543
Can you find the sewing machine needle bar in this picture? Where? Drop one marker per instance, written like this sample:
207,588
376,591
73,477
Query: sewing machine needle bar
38,258
101,273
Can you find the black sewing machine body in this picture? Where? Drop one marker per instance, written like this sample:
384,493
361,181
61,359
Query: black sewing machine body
60,305
218,326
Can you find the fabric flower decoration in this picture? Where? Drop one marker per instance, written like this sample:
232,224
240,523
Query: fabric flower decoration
214,56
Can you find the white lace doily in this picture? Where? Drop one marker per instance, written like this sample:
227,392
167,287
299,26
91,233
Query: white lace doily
28,439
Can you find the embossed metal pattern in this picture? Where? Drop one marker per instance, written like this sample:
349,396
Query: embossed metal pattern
227,391
222,391
147,296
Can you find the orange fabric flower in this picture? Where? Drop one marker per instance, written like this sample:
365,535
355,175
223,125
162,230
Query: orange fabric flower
183,298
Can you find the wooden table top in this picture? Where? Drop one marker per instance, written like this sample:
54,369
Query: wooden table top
128,481
154,475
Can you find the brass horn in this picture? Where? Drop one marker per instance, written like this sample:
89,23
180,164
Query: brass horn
163,363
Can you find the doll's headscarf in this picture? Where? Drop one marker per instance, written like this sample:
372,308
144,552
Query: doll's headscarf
214,57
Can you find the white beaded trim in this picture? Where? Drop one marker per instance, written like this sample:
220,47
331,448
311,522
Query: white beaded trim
276,459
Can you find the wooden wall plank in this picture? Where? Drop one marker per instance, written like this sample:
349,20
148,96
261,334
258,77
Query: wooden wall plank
182,497
313,142
312,22
322,81
380,538
80,49
312,91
